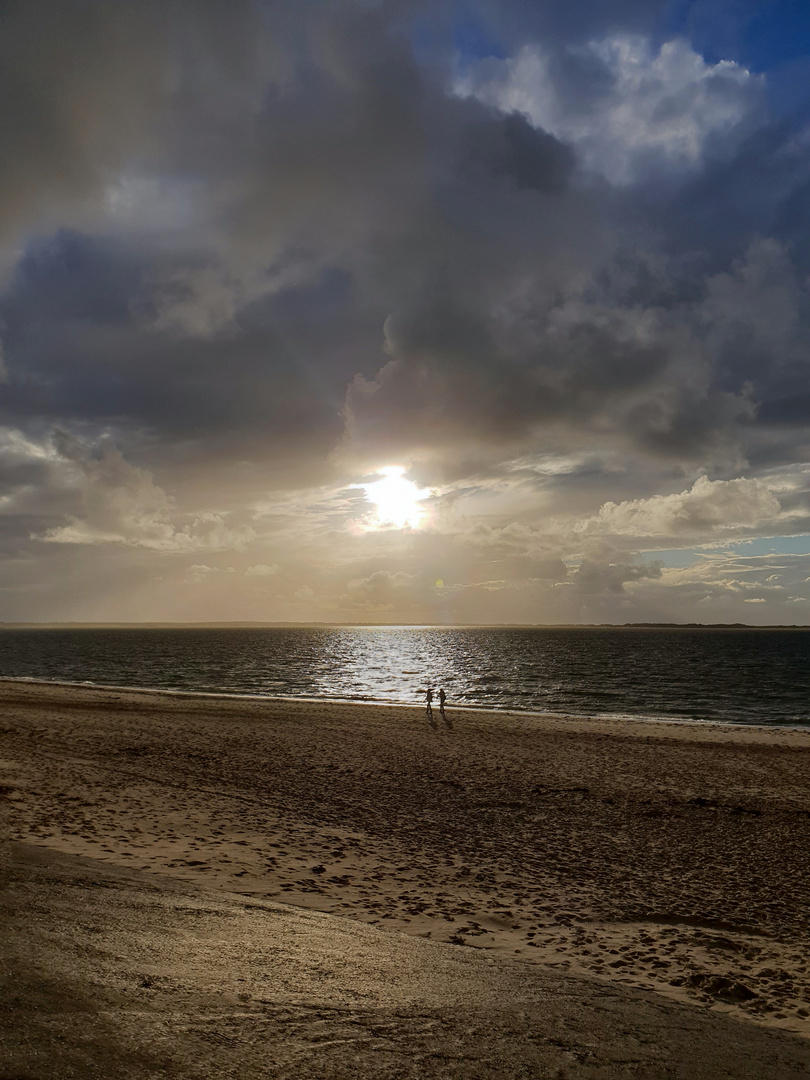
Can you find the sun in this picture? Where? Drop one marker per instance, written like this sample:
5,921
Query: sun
397,501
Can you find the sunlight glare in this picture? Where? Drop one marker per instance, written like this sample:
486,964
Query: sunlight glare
396,500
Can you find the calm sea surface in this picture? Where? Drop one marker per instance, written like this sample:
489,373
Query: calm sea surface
737,676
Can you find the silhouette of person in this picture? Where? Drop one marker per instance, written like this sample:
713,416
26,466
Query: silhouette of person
442,699
429,697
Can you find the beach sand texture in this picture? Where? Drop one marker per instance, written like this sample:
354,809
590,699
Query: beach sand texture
124,975
642,857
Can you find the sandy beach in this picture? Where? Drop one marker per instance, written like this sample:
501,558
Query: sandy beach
667,859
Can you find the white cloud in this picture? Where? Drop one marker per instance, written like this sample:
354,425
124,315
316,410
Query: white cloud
201,572
635,112
261,570
17,446
727,581
709,508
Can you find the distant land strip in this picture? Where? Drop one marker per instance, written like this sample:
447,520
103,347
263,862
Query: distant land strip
399,625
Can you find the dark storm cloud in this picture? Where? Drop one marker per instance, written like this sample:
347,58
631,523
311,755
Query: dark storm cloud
452,379
357,160
53,59
85,87
83,343
758,190
353,223
511,149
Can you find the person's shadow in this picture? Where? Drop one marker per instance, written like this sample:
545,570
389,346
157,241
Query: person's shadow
448,723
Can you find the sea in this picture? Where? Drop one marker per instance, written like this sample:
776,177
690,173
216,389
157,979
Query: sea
728,675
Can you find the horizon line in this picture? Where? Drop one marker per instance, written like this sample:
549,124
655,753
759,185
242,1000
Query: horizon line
235,623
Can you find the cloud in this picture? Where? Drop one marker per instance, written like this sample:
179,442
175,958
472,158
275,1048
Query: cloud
88,88
631,112
610,578
355,225
261,570
708,508
384,591
585,371
250,253
200,572
753,320
121,504
724,587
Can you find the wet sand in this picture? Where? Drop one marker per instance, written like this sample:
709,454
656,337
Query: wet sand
669,858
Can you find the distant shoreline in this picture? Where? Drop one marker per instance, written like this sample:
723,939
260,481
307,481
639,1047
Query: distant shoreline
393,626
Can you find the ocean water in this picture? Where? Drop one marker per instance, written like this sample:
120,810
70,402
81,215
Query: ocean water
741,676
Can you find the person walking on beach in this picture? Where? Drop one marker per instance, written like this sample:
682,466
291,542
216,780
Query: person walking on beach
442,699
429,698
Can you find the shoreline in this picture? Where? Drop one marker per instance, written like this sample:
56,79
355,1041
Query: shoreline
663,856
583,718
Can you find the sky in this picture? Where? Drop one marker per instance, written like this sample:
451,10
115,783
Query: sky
405,311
